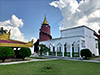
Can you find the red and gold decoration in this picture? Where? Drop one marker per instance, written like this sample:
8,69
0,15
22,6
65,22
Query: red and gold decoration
7,42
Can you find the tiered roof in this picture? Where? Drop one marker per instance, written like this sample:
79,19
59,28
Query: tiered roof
7,42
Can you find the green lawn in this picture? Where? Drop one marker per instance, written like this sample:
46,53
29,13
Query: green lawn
58,67
89,58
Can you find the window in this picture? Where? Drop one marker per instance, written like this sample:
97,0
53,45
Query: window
96,45
46,25
90,37
86,35
53,49
83,43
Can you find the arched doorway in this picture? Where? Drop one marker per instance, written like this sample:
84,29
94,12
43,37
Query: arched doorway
51,49
67,50
54,52
75,49
59,51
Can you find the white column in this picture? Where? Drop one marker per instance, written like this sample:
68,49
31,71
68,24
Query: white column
62,50
71,50
56,50
80,49
47,53
39,48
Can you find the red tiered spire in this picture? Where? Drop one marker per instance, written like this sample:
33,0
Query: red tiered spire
45,31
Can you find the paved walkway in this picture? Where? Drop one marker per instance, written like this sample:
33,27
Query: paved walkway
97,60
30,60
50,58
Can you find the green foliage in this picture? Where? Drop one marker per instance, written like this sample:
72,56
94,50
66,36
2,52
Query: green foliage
24,52
43,48
52,53
36,44
98,45
59,53
86,53
6,52
98,42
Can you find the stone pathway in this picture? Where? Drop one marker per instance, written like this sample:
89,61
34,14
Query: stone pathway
30,60
97,60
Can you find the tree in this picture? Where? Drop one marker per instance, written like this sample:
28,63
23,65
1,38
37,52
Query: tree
6,52
86,53
24,52
3,31
98,45
43,48
36,44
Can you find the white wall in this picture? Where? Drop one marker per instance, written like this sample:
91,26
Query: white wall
73,32
62,41
90,41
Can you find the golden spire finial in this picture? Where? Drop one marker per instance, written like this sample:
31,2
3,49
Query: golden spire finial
45,21
9,32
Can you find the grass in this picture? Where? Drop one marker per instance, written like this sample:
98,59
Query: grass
89,58
57,67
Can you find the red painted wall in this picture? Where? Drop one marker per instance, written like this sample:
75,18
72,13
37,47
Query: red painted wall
44,34
45,28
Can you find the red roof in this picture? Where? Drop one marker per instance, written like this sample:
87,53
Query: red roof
11,41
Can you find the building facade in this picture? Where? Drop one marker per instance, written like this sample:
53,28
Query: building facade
72,41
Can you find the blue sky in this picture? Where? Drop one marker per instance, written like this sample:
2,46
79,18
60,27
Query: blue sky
27,15
32,13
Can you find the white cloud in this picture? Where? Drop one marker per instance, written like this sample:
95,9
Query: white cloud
85,13
14,25
16,34
16,22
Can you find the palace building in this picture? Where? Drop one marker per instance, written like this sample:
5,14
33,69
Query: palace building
71,42
5,40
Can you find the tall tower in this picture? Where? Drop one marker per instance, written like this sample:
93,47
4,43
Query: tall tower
44,34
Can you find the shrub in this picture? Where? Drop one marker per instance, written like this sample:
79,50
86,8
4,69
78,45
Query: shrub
6,52
52,53
86,53
24,52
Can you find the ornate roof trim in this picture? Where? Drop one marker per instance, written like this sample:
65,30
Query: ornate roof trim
45,21
7,42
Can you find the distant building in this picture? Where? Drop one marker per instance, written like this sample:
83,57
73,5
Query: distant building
71,42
